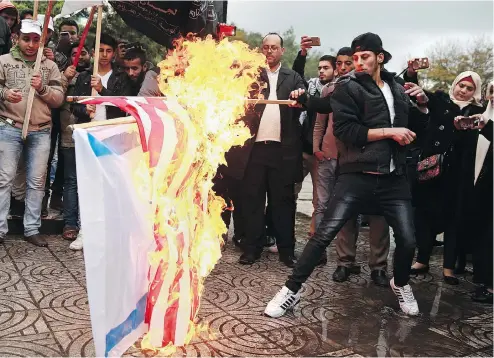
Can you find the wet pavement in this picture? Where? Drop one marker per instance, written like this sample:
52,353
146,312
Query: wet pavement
44,309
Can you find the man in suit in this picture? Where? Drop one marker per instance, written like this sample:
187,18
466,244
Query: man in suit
271,161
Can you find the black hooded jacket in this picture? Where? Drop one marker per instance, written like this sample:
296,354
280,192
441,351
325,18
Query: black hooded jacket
118,85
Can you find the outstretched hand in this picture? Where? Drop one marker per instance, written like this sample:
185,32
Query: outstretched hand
414,90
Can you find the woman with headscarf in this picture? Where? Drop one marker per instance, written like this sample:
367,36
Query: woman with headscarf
482,206
446,175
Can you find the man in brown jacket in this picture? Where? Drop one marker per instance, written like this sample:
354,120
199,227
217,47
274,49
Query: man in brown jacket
16,78
346,243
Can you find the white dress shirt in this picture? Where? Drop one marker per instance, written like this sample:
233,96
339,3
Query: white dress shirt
270,126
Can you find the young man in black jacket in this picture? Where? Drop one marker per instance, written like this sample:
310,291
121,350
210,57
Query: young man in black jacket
370,115
108,82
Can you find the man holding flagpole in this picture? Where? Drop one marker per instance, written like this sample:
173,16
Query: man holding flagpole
15,82
107,83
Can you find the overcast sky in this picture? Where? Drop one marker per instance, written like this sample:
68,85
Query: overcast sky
406,27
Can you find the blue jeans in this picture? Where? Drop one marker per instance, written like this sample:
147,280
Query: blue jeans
326,178
36,150
70,198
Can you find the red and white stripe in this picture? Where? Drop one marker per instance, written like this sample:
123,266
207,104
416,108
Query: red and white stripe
173,295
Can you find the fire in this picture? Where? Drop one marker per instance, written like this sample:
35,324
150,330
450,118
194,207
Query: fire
210,80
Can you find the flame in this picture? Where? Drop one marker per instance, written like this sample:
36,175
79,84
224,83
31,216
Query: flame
210,80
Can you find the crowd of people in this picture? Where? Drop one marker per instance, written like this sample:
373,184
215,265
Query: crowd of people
374,144
26,188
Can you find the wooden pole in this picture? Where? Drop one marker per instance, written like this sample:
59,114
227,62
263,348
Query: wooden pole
109,122
83,37
35,9
97,45
248,100
37,65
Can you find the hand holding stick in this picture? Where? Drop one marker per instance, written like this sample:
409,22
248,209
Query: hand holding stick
37,65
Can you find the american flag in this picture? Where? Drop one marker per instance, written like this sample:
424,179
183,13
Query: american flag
173,296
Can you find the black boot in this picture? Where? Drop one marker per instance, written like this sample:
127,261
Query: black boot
482,295
342,273
380,278
36,240
248,258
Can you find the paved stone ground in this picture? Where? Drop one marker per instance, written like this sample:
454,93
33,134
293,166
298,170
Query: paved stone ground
44,309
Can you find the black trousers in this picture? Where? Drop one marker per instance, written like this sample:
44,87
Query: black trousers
56,137
229,189
426,235
263,177
482,244
354,193
426,232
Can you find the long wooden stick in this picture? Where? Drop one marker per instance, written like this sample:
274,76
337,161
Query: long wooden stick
83,37
37,65
109,122
248,100
35,9
97,45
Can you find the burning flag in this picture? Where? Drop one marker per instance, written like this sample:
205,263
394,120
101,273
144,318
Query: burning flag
184,139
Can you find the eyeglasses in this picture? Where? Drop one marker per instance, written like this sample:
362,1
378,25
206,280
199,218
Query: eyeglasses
273,48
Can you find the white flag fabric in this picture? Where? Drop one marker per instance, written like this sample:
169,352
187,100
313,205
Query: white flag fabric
117,234
71,6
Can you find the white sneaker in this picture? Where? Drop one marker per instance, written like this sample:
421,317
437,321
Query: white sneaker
76,245
281,302
407,301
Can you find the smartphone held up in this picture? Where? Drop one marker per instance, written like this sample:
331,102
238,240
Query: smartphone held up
465,123
420,63
315,41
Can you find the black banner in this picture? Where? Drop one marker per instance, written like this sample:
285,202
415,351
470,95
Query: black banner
164,21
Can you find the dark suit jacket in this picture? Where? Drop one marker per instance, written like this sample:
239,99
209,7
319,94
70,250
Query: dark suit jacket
238,157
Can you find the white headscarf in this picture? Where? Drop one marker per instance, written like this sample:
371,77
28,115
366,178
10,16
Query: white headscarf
477,94
482,143
488,115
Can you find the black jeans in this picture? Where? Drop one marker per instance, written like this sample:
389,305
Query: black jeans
354,193
56,137
70,195
263,177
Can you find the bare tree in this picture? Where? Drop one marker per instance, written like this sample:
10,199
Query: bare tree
450,58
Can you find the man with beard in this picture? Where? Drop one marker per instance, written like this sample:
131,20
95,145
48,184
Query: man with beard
326,73
135,67
325,149
370,119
